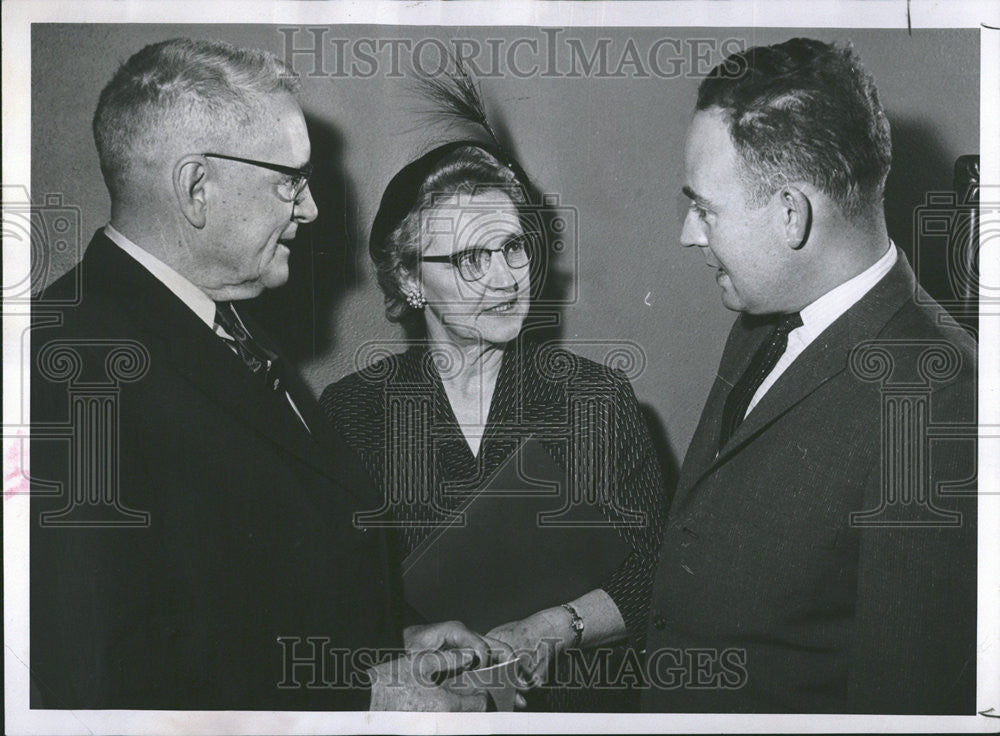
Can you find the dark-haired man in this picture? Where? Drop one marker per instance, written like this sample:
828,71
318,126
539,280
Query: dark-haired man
193,546
820,554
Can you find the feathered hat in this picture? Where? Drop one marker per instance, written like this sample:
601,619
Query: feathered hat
456,99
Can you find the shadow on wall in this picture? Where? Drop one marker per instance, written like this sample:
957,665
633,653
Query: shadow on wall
552,277
323,263
920,166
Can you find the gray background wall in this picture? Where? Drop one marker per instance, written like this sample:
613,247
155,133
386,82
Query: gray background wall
609,147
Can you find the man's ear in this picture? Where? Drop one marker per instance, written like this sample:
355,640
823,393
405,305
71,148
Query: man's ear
796,214
189,188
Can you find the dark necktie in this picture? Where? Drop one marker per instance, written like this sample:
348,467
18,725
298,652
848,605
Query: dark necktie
762,363
262,362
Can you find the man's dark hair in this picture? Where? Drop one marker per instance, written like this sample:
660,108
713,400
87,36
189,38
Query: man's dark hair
804,110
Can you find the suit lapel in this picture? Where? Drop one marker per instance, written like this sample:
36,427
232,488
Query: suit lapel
194,352
744,339
823,359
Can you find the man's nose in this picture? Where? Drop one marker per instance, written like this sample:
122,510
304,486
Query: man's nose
692,232
305,207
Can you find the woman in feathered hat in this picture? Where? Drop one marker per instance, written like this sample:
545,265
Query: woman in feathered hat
520,475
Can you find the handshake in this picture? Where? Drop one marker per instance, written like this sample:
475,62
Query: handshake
448,667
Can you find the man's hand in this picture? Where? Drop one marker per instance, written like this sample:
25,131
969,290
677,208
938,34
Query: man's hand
455,635
425,679
418,682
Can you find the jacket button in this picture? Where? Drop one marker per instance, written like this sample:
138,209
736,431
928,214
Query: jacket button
659,622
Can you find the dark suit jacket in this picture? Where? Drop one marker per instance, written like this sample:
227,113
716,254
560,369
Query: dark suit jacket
798,608
248,531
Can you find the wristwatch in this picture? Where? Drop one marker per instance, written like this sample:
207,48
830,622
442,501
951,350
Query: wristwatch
576,623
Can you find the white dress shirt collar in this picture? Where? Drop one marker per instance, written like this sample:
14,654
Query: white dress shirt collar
195,299
824,311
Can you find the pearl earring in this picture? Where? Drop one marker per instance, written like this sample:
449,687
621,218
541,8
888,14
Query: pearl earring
415,299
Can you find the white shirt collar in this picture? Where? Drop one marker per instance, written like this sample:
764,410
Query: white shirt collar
195,299
824,311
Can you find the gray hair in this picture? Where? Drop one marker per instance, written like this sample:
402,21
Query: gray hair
201,89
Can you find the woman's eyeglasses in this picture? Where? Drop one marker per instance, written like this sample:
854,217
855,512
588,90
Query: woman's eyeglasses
474,263
290,189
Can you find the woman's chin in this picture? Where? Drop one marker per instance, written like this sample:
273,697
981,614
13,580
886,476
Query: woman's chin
499,329
490,328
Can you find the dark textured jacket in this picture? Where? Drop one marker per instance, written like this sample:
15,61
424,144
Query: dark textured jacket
577,408
238,522
824,560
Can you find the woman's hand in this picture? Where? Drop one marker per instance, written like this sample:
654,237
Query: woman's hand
536,640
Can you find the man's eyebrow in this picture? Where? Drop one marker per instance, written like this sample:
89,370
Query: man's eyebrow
695,197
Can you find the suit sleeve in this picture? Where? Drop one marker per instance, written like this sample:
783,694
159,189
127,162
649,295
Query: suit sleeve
95,639
125,617
914,646
637,487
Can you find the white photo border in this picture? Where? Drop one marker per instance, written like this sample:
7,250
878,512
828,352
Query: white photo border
19,15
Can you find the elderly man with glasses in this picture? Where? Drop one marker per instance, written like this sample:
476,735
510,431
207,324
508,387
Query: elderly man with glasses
195,547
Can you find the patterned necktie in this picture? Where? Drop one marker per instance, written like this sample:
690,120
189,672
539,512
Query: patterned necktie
762,363
262,362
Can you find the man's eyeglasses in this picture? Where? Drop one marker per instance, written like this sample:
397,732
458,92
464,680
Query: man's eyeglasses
474,263
289,189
